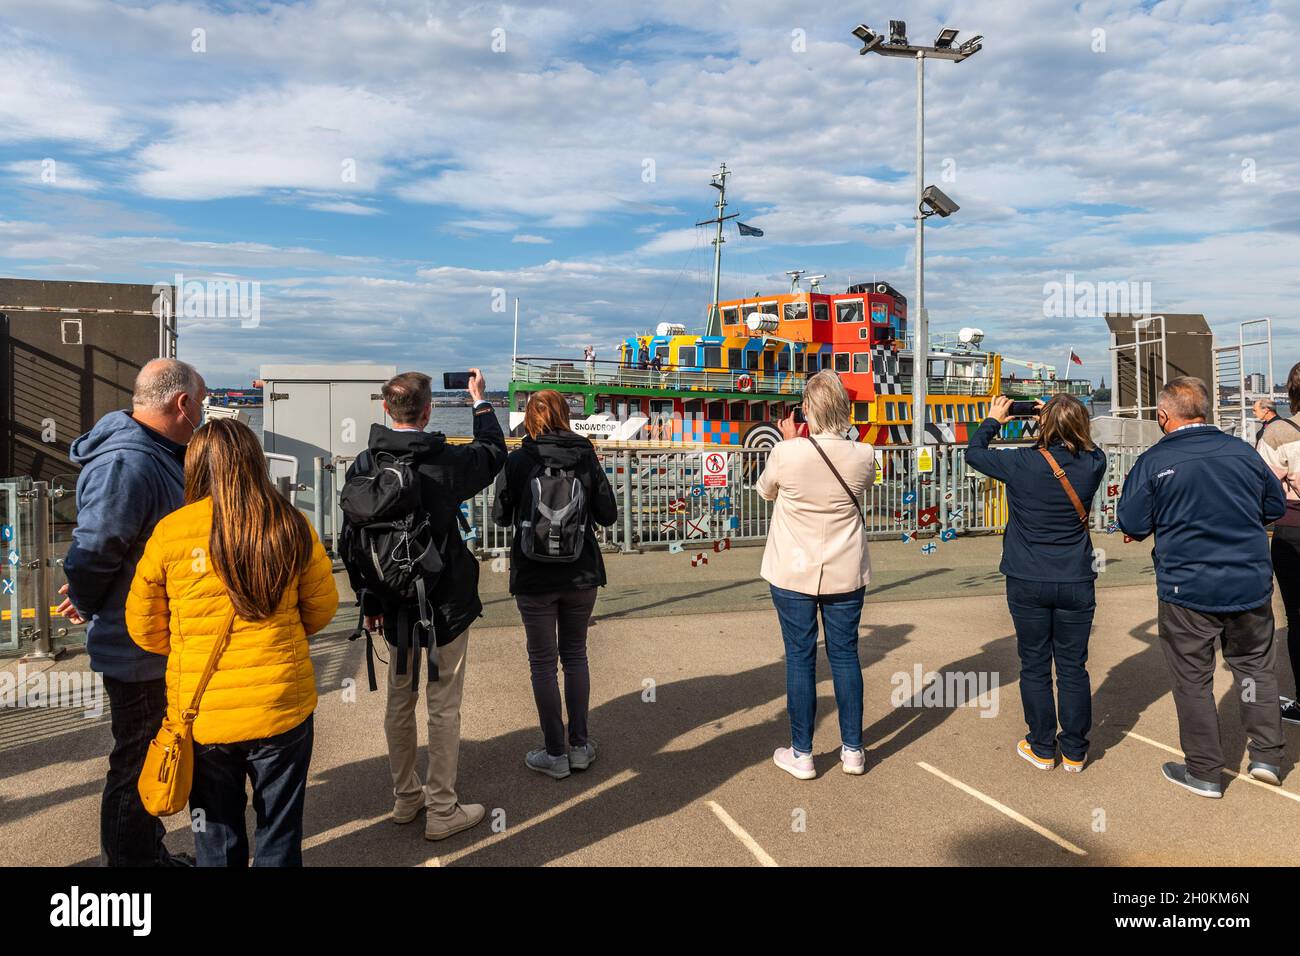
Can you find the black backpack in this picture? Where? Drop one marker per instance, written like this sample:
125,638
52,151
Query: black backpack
554,526
388,546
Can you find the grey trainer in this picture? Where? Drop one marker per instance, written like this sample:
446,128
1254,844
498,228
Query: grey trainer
542,762
580,758
1267,772
1177,773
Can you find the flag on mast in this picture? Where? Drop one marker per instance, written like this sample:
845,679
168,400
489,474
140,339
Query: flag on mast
749,230
1074,360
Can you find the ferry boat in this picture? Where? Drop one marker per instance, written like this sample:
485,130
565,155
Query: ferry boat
731,385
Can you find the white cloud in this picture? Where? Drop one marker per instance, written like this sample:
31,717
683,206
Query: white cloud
529,239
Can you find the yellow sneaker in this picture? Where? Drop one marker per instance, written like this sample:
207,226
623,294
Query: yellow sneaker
1028,753
1073,766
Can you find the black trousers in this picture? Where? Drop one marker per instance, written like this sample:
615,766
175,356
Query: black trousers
128,834
556,627
1188,639
1286,565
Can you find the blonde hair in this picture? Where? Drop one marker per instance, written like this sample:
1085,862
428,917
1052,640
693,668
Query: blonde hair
826,403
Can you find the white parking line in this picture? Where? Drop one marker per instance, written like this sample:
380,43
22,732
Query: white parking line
1003,808
742,835
1232,773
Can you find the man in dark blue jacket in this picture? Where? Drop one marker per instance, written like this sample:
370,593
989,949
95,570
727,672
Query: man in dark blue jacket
132,476
1207,496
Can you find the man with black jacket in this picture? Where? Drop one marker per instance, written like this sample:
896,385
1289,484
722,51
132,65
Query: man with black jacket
1206,496
449,474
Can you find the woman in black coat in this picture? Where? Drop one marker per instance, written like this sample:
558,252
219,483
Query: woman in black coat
555,597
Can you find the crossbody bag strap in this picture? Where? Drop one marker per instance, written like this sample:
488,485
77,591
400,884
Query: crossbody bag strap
217,648
840,478
1059,474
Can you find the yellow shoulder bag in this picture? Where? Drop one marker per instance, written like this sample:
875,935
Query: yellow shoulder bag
168,770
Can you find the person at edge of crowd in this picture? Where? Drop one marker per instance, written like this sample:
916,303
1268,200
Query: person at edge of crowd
1206,496
556,597
1279,444
449,475
816,560
1047,558
132,476
238,555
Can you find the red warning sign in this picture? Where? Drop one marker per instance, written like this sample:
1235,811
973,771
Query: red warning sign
715,469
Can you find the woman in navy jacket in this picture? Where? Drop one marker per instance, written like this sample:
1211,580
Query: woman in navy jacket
1047,558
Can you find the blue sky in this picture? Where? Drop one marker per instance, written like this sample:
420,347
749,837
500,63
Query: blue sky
506,147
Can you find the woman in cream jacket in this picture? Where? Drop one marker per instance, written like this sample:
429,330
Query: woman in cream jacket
816,559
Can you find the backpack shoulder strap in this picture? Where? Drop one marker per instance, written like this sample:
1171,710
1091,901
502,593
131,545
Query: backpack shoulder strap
1059,474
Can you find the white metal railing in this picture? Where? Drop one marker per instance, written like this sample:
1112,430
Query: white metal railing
543,371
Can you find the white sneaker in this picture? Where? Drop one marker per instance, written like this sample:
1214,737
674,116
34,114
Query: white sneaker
853,761
799,767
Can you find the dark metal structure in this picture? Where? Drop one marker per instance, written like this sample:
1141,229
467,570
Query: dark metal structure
71,351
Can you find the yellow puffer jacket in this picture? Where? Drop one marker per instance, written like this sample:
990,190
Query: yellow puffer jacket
264,683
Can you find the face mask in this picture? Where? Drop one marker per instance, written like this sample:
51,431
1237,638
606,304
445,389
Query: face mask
194,425
1161,423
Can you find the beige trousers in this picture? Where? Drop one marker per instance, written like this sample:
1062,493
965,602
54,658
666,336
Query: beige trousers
442,698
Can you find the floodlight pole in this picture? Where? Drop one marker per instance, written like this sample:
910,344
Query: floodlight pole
920,321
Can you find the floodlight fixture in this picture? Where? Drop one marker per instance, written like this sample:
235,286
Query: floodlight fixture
945,38
934,200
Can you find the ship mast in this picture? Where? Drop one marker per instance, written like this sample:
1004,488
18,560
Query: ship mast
719,182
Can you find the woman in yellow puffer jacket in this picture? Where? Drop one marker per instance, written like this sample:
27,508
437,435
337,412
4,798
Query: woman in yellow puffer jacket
236,543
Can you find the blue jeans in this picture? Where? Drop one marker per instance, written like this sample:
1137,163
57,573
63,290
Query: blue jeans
1053,621
840,616
278,768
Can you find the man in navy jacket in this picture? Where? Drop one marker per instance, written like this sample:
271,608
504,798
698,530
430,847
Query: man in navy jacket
1206,496
132,476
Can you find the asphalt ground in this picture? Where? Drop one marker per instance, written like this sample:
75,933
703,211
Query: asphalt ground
688,702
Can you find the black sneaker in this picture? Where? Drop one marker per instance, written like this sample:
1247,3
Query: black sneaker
1177,773
1290,711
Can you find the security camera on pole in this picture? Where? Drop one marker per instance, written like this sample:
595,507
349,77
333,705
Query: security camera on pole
929,201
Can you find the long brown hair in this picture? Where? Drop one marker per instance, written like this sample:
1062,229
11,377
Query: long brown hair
1293,388
1064,419
259,542
547,411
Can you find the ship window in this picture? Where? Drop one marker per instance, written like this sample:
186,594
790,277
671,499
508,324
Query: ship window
796,311
751,360
862,411
798,361
735,358
729,316
862,362
841,361
661,406
769,308
821,311
783,360
961,413
769,360
758,412
747,310
889,411
717,411
850,311
662,352
686,355
634,406
713,356
737,411
952,413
